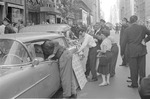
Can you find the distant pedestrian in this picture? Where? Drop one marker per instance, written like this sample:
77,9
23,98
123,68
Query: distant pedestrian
117,28
2,28
123,27
20,25
8,28
135,38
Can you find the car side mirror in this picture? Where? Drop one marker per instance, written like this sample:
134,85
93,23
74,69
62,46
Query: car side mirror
35,62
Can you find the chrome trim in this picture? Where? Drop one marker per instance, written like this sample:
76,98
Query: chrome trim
30,87
16,65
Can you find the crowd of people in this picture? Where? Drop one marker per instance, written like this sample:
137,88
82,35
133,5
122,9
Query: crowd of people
98,41
103,51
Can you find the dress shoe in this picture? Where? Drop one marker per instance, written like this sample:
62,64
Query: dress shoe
129,80
133,86
93,80
73,96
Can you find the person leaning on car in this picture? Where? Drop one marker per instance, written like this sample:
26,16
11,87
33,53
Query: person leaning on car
52,50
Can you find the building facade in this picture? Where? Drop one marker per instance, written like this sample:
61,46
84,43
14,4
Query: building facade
147,9
12,9
140,9
126,9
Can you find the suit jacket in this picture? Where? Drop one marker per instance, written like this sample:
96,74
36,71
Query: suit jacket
133,36
144,88
122,32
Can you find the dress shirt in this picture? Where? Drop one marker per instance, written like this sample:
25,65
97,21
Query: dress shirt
87,42
106,45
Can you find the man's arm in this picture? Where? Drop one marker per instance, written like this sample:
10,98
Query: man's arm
98,37
84,44
148,33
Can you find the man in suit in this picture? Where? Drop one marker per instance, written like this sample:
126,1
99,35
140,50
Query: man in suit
123,27
8,28
144,89
135,37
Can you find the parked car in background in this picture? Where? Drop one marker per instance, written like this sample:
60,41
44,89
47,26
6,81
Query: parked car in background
62,29
24,73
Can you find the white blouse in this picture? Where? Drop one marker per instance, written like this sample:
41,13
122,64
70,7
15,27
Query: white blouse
106,45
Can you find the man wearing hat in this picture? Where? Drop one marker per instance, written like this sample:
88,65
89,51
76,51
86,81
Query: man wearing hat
135,38
8,27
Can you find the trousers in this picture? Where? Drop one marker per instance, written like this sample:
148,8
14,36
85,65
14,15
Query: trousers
91,63
66,74
137,67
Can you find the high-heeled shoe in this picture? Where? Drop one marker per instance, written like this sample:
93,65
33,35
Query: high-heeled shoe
103,84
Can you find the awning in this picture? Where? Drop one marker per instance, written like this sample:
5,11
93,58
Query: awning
15,6
1,3
49,10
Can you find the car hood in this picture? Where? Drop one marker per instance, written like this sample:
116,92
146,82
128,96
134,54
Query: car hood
3,71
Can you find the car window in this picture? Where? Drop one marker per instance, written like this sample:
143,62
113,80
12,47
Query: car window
13,52
35,50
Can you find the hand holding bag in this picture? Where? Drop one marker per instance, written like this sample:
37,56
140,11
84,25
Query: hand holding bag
105,58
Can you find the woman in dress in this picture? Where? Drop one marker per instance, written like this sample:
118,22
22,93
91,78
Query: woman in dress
104,70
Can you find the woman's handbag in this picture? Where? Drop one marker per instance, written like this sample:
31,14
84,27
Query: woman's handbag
105,58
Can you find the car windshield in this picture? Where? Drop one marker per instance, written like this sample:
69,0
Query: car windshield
12,52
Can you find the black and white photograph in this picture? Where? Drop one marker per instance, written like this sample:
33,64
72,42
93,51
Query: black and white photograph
74,49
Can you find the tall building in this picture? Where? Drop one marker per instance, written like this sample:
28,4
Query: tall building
126,8
140,9
114,13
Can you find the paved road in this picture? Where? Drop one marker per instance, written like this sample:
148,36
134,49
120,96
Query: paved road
118,88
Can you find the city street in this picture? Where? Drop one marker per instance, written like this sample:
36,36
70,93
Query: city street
118,86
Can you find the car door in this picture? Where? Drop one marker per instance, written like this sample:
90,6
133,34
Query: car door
46,75
26,80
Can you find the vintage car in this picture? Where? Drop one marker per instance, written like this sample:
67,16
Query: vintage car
62,29
23,71
51,28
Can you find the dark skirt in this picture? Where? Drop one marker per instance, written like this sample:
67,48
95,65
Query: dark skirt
104,69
